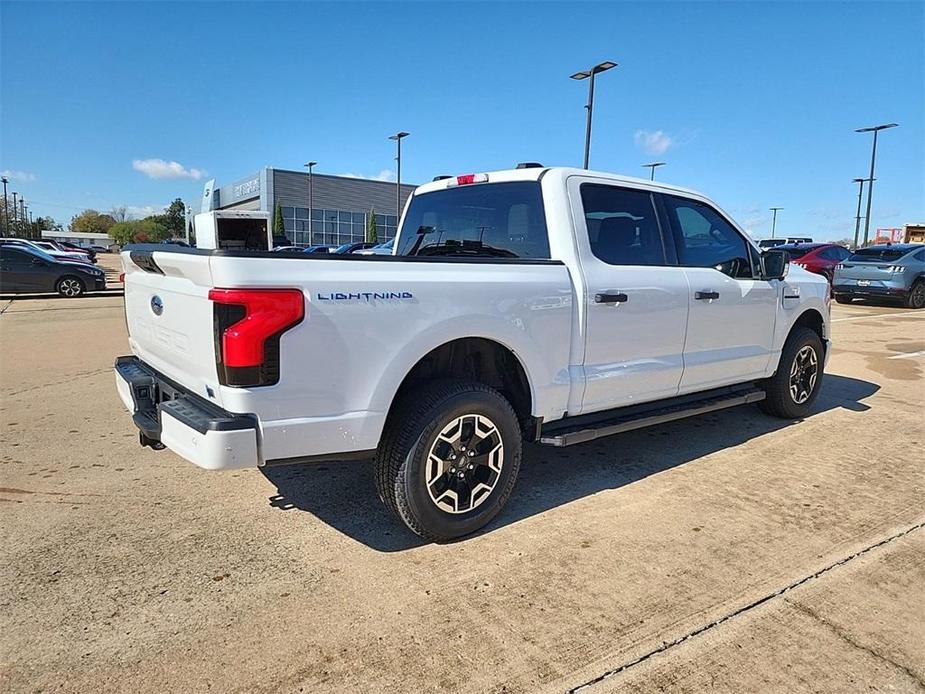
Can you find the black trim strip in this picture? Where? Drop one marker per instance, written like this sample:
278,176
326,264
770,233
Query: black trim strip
346,457
145,260
295,255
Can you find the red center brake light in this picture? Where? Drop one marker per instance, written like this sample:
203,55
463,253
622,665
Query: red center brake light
248,324
467,179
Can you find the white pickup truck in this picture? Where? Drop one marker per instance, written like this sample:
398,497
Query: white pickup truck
551,305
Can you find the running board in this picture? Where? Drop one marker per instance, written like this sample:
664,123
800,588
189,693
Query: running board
563,434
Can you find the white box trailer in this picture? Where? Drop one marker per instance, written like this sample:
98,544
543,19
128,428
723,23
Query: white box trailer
234,230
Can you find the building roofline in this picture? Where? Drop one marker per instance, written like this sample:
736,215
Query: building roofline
344,178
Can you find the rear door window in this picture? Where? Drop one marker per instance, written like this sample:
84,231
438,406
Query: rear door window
490,220
622,225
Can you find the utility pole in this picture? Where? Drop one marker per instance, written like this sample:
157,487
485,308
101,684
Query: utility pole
774,220
311,200
6,209
398,138
585,74
873,158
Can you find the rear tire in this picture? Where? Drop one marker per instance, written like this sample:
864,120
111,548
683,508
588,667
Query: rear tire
916,296
70,287
842,299
448,458
792,391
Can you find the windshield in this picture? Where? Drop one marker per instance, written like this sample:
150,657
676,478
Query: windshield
35,251
873,255
498,220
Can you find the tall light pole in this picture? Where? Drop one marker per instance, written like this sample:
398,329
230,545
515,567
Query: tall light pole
774,219
585,74
873,157
654,165
15,204
857,218
311,198
6,209
398,138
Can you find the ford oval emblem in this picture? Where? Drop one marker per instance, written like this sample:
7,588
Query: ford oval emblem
157,305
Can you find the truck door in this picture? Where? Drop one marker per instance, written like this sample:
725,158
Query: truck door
732,311
636,297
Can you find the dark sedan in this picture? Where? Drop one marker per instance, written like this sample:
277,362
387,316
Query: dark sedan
25,270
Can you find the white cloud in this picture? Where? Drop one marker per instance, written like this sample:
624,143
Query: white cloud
141,211
653,142
384,175
20,176
158,168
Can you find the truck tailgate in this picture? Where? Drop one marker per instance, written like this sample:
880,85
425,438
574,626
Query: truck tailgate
169,317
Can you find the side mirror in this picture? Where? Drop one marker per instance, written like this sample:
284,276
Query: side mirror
774,264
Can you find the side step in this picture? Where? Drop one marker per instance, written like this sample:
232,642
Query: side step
587,428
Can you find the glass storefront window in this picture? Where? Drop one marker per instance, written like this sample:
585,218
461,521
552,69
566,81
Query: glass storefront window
301,213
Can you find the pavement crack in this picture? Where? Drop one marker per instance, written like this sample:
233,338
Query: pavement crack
850,640
669,645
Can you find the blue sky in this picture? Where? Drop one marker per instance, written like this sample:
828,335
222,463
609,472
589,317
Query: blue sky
752,103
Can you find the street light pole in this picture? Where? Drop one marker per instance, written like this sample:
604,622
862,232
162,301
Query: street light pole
774,219
6,209
857,218
15,205
654,165
311,200
870,181
398,138
585,74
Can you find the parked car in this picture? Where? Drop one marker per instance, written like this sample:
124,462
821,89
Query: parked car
288,249
548,305
59,255
55,247
353,247
73,247
100,249
319,249
177,242
774,243
886,271
384,248
24,269
820,258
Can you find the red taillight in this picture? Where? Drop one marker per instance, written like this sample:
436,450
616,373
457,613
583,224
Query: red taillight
122,277
248,323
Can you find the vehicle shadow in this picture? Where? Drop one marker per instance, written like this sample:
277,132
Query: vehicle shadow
109,291
343,494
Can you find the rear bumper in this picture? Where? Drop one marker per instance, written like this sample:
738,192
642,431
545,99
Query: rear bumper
167,414
882,290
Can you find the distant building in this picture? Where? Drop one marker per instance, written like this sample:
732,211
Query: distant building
338,215
78,239
914,233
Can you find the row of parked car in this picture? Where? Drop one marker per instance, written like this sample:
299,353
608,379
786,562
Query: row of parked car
885,271
28,266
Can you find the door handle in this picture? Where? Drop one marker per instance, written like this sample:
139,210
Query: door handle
617,298
704,296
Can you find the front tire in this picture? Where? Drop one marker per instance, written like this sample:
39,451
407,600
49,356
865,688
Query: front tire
916,296
792,391
70,287
448,458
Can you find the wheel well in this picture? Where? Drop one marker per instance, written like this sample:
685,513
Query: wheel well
812,319
477,359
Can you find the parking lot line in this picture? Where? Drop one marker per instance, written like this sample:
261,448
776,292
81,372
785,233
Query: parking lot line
878,315
909,355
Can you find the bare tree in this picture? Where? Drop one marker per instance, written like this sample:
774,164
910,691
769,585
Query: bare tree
119,213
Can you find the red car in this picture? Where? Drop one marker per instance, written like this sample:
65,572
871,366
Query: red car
820,258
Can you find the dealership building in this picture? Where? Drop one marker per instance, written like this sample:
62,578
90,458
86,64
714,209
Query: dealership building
317,209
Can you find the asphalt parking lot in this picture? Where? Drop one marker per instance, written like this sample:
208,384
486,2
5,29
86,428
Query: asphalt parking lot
732,551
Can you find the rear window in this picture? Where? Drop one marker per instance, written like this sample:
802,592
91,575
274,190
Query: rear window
496,220
874,255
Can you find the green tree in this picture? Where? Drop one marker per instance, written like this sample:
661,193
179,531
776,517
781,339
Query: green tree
372,236
147,230
91,222
279,227
173,218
